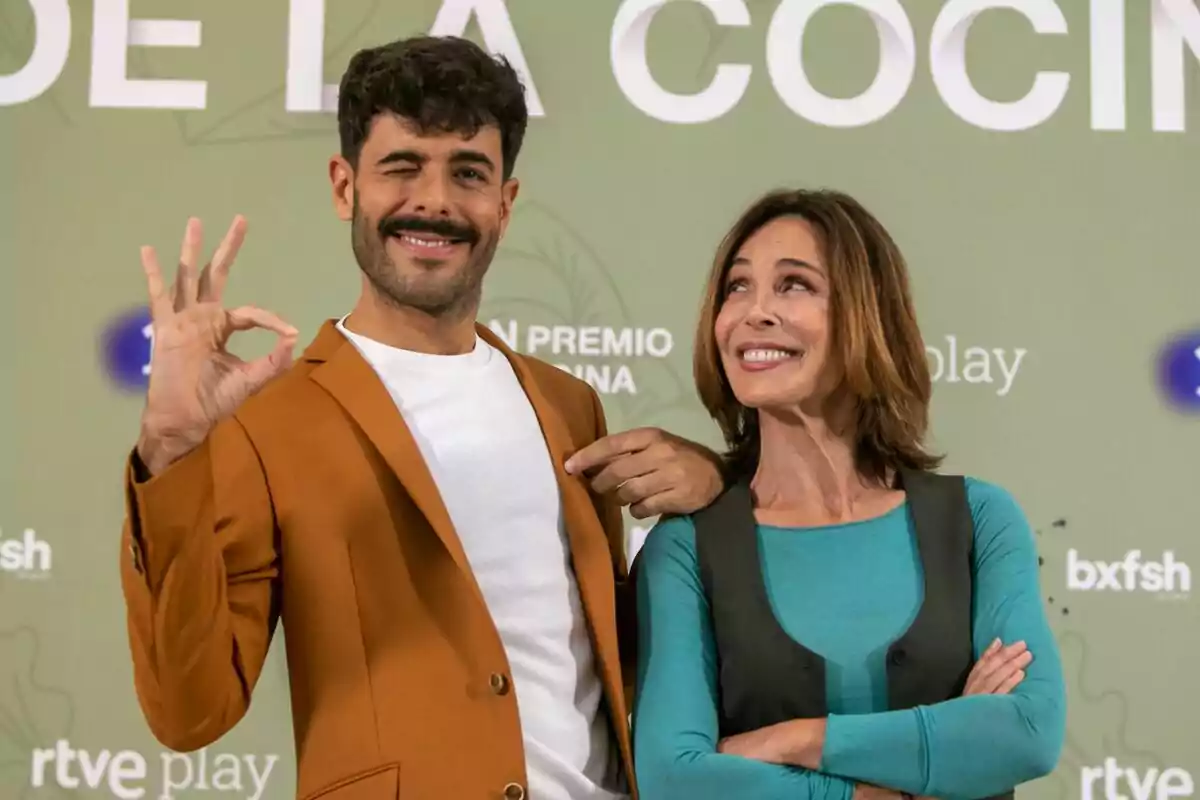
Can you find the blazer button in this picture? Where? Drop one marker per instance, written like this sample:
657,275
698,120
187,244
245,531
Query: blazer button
499,685
514,791
897,657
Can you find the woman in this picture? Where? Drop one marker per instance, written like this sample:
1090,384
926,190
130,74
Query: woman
843,622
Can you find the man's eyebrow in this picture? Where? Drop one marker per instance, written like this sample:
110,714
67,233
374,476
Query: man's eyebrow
472,157
398,156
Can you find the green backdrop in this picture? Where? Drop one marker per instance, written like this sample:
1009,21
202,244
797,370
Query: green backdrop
1052,255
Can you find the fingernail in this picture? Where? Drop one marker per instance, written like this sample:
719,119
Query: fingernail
570,466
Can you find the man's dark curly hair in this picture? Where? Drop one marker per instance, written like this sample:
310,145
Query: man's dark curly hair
440,84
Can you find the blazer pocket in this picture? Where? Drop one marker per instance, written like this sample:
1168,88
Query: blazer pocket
377,783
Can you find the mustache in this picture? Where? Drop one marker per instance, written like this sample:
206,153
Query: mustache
393,226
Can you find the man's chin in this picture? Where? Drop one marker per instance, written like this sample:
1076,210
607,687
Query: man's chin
435,301
433,291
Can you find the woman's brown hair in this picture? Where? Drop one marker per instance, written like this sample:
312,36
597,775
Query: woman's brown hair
874,335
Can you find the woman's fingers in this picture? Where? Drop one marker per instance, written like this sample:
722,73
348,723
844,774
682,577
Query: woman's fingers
1010,683
997,667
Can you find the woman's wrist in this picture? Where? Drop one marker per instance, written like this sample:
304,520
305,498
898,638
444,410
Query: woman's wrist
806,744
866,791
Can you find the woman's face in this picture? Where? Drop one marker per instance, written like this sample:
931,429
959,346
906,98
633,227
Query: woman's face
772,329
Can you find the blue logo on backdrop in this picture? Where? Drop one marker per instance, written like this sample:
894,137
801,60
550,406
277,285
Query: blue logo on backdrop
125,349
1179,372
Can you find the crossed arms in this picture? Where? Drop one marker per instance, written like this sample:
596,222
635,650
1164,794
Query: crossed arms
969,747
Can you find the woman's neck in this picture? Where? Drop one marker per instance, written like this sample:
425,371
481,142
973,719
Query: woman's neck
807,473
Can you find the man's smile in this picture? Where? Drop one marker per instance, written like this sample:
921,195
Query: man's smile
427,245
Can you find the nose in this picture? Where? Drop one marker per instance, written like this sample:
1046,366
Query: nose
763,313
430,196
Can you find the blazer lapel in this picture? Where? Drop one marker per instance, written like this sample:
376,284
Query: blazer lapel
347,376
590,555
353,383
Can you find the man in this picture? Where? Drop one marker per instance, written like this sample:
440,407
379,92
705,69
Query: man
400,496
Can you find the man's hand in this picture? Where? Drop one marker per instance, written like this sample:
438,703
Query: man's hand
194,381
651,471
798,742
999,669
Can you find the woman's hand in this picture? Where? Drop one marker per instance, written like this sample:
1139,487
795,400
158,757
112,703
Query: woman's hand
798,742
999,669
865,791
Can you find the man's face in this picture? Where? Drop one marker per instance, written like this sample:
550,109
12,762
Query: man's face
427,212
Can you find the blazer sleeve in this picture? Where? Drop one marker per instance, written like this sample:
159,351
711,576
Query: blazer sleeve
981,745
199,572
609,511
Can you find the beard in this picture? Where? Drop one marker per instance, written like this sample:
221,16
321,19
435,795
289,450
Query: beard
432,287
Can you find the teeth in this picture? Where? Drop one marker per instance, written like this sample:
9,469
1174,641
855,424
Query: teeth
430,243
765,355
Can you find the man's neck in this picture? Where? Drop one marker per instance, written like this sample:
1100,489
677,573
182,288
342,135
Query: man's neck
411,329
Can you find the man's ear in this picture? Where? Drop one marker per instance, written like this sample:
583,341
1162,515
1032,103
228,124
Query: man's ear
341,179
508,196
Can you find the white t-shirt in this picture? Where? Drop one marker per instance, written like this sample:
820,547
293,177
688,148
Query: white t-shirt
484,447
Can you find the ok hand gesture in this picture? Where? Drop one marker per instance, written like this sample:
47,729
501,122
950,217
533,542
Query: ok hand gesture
194,381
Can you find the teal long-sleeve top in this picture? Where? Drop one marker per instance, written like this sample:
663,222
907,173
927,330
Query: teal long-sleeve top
846,591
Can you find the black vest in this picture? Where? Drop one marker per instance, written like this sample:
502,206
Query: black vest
766,677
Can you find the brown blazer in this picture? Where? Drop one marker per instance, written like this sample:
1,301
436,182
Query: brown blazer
312,504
